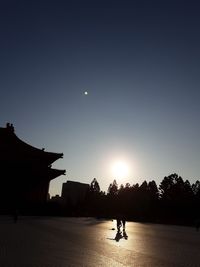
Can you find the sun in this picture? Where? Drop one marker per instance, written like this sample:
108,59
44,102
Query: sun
120,169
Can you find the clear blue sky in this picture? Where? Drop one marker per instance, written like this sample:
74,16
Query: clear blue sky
139,62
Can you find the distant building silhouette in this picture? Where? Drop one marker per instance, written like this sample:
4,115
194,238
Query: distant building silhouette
56,199
25,171
74,193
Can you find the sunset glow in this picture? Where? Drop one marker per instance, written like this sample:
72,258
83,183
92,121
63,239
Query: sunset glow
120,169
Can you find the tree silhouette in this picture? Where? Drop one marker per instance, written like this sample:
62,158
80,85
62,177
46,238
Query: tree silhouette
113,188
196,200
112,199
174,201
94,186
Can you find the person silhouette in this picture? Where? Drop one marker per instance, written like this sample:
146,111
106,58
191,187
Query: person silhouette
124,223
118,236
121,221
125,236
119,224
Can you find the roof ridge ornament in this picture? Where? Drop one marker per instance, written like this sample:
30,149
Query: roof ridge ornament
10,127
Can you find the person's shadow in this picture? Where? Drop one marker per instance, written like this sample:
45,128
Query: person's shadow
120,235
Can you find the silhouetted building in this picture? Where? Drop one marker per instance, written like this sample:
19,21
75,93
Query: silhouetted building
25,171
56,199
74,193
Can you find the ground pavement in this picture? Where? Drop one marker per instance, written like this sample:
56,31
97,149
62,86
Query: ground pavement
86,242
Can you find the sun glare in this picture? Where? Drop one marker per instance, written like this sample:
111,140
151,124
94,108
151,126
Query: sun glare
120,169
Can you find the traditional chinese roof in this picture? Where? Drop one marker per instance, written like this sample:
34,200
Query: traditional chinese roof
30,165
53,173
14,149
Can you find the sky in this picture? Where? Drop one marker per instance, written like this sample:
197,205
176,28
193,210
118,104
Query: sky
139,61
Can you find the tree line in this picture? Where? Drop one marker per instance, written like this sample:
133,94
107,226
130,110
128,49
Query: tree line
173,201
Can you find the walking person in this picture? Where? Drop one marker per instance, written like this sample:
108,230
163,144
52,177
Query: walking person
124,223
119,224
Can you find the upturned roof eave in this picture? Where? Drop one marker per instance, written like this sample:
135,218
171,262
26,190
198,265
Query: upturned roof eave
53,173
12,144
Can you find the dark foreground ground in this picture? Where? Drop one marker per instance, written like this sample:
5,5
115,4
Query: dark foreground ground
67,242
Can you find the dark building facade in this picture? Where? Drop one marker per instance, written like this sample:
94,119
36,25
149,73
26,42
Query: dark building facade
73,193
25,172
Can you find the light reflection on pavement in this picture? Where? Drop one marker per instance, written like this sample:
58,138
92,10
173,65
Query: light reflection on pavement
65,242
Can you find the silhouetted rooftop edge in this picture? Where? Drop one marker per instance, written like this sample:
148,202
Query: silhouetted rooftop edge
10,142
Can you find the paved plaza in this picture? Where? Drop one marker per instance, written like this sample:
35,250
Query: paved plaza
71,242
